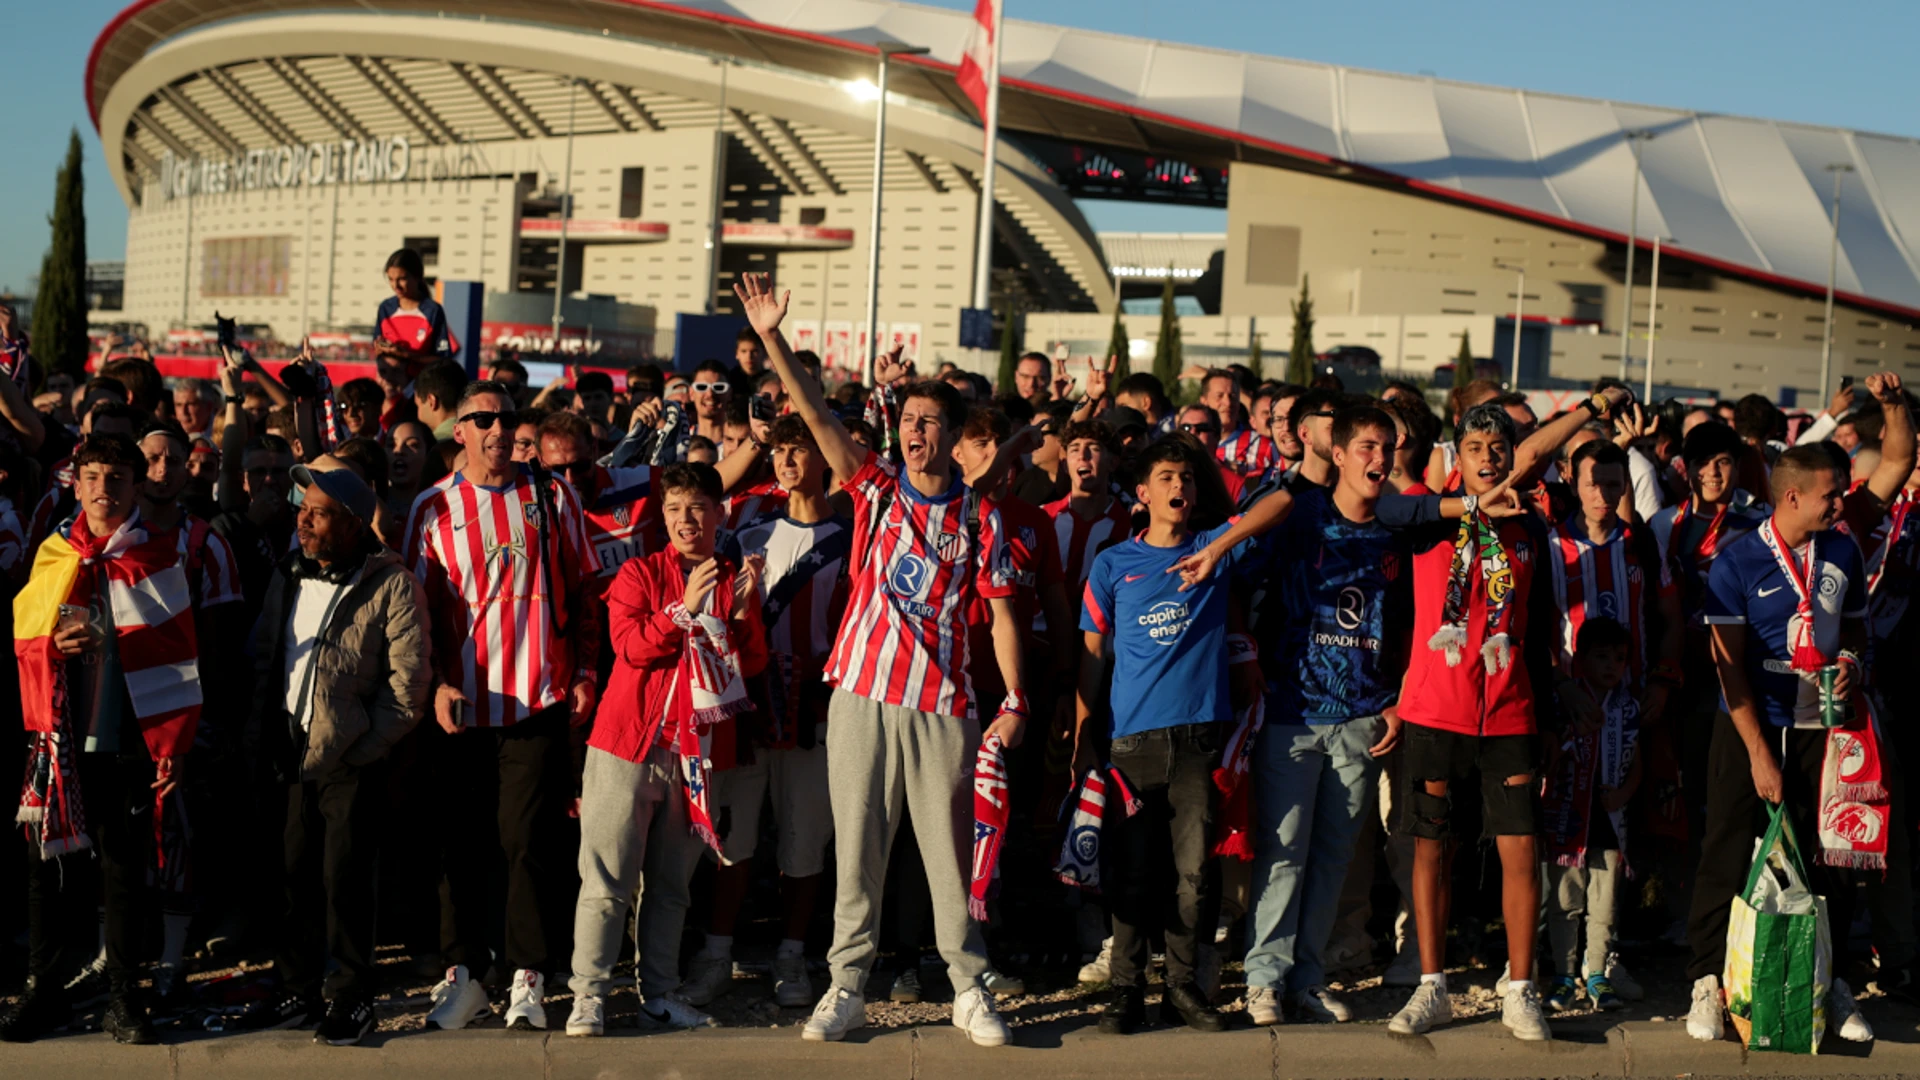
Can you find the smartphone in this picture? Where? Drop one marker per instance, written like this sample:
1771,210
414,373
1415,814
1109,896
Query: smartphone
71,615
1846,382
761,408
1060,351
228,331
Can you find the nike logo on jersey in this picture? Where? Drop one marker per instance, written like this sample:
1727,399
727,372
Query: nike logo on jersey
1764,593
1131,578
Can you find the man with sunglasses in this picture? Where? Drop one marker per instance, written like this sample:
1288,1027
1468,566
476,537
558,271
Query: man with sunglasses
1201,422
1243,448
709,394
502,550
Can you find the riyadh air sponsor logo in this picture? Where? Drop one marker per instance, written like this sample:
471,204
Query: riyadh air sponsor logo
1349,613
1166,621
908,581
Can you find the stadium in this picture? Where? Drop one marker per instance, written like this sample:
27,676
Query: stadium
272,152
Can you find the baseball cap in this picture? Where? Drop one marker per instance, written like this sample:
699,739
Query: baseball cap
1122,417
341,484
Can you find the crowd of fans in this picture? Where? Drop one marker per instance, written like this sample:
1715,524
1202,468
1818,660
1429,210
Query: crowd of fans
1176,669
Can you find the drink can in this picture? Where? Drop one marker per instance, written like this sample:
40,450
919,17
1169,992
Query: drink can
1834,710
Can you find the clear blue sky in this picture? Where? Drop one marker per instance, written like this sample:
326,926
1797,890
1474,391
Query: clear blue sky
1848,64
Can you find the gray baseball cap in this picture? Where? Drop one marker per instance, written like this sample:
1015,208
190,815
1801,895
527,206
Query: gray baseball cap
340,483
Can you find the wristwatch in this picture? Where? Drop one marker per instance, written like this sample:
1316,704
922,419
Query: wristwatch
232,399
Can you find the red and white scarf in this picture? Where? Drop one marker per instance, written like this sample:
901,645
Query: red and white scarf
1884,539
708,688
1854,804
1234,832
991,810
1604,759
1597,580
1802,572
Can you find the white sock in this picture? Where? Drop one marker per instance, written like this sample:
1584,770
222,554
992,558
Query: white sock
173,948
1439,980
789,948
718,947
1519,984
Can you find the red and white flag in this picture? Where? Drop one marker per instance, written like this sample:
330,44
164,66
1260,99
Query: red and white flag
977,68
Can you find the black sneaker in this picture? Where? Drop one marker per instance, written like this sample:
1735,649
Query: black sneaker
1126,1011
280,1012
39,1013
126,1020
1183,1004
346,1023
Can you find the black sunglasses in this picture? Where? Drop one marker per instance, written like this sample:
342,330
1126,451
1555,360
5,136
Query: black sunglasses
484,420
1201,429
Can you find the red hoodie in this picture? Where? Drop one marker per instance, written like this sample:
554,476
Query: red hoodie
647,645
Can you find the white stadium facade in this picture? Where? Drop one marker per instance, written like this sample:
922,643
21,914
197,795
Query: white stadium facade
273,152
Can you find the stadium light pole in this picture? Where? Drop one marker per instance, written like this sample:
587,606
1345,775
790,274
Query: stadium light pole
1519,306
1634,137
1839,169
888,51
715,226
1653,316
566,211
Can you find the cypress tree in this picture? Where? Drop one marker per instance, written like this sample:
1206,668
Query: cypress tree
60,307
1254,361
1009,350
1166,351
1117,346
1463,363
1300,357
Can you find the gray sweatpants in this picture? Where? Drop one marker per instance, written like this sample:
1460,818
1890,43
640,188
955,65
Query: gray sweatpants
881,758
1581,894
633,836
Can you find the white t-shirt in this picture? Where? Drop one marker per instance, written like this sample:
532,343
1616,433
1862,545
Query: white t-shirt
310,607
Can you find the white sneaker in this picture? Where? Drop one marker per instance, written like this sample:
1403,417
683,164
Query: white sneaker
526,1007
707,978
1404,971
974,1014
1625,986
1002,985
1317,1003
1506,976
1843,1014
838,1013
791,988
1206,976
1522,1014
1429,1007
673,1011
588,1018
1707,1017
1099,969
1263,1006
458,1000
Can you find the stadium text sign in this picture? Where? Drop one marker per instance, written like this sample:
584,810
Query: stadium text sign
348,161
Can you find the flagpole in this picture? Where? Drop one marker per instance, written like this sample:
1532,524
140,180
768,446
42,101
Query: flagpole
983,254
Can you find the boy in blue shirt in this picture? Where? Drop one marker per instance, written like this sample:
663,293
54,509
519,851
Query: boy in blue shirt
1169,704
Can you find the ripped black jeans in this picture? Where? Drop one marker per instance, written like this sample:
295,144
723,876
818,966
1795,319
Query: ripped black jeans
1434,754
1171,770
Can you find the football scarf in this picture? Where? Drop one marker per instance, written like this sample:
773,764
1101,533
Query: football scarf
1478,539
1079,862
1854,804
1888,539
1710,540
707,688
1802,572
991,810
1593,760
1231,776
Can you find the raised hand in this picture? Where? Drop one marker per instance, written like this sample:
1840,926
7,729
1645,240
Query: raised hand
1842,402
746,581
763,312
889,368
1633,423
645,415
1885,387
1099,377
1062,382
700,584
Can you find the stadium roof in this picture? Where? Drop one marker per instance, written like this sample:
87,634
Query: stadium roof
1743,195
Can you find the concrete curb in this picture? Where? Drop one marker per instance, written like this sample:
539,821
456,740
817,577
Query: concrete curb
1590,1048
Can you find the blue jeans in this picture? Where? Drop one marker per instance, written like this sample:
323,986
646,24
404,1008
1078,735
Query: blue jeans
1312,785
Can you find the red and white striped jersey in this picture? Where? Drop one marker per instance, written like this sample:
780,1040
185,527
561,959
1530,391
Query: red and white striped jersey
624,521
1080,539
762,500
218,580
904,640
488,558
1246,452
1606,580
1033,564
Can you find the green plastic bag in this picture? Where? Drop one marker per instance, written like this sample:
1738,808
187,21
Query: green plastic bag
1779,950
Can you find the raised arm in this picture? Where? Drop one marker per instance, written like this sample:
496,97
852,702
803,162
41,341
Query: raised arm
764,314
1896,439
1260,517
1529,461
